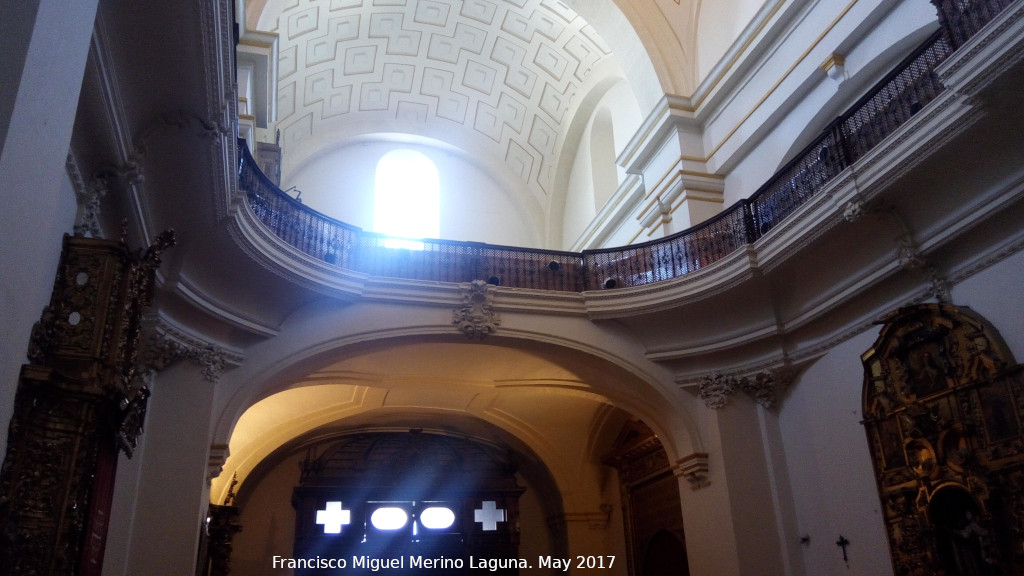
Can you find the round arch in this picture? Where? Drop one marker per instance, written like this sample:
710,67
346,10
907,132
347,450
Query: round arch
523,382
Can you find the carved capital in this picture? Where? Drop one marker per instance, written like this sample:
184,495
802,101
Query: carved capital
907,254
763,387
87,223
939,286
475,318
694,468
165,345
715,390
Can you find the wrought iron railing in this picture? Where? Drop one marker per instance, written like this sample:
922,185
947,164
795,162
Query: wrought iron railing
350,247
890,104
962,19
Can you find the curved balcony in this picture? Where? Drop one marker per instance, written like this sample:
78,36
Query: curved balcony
911,86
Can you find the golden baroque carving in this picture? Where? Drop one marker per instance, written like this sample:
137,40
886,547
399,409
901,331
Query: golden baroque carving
943,405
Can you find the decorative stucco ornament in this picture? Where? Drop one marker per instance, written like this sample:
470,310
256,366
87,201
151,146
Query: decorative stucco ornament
475,318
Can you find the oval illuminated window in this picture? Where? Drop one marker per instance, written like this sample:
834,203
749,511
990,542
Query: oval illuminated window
388,518
437,517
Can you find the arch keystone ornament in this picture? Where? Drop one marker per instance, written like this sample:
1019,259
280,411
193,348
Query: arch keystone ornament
475,318
943,405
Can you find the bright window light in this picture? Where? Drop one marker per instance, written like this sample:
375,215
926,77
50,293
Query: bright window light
389,518
437,518
333,517
407,199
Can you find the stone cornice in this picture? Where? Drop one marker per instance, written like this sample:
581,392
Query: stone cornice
194,296
672,113
113,104
221,98
694,469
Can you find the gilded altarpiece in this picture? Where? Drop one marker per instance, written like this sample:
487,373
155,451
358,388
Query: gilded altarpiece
77,405
943,410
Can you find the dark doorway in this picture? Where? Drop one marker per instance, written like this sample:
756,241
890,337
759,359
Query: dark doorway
961,539
665,556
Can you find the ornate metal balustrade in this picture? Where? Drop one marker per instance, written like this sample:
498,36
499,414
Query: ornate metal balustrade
350,247
911,86
962,19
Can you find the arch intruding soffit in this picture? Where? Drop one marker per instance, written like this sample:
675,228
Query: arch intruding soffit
668,34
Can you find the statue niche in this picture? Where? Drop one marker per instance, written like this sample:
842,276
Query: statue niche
943,403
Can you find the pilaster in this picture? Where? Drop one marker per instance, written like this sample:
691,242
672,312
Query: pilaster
172,498
735,483
668,154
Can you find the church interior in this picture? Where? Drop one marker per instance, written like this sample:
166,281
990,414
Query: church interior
617,287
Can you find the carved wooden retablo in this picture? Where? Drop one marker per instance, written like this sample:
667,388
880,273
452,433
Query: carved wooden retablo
943,406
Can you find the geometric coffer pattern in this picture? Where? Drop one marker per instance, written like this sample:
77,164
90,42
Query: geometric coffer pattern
509,71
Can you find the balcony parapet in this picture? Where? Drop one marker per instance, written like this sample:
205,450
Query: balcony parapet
899,96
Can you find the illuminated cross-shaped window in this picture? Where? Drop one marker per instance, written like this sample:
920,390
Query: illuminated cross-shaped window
333,517
489,515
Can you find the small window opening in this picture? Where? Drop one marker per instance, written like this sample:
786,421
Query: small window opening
437,518
407,199
389,518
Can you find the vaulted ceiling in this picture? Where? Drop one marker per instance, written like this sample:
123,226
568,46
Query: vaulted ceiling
500,78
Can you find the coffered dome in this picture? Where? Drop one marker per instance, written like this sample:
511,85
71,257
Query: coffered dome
501,79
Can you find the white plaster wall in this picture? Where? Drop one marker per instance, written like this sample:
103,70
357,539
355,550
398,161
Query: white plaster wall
267,519
579,197
789,70
621,35
602,157
170,499
820,99
474,206
744,451
833,483
719,24
995,293
37,201
582,205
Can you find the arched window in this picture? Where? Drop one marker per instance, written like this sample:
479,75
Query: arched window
407,198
